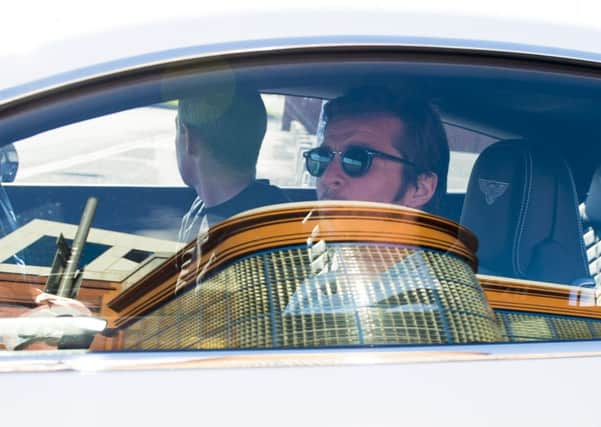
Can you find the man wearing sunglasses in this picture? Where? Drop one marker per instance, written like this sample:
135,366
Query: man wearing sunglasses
381,147
218,138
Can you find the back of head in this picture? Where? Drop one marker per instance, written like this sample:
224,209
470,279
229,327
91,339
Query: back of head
428,147
229,122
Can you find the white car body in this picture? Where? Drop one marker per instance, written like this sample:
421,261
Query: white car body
504,384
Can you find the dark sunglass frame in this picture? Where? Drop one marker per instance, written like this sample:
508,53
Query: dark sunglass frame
329,154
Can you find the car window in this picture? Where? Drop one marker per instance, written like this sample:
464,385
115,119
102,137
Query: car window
286,205
117,144
293,129
133,147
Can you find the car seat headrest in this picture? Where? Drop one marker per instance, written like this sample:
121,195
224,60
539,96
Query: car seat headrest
521,203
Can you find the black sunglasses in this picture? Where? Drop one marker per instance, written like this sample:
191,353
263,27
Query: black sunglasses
355,160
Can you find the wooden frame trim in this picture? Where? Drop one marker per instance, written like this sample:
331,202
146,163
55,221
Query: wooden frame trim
291,225
539,297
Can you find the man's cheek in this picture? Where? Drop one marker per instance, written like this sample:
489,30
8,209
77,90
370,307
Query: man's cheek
320,189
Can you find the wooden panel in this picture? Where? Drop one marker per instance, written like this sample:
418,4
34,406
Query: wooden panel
21,290
539,297
290,225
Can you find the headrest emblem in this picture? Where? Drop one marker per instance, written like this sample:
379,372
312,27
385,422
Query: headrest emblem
492,190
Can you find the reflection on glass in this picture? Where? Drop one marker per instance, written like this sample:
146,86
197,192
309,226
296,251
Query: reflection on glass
169,262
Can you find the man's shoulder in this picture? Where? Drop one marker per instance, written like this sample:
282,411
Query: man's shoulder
255,195
263,191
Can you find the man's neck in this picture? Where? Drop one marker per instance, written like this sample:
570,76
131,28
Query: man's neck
216,189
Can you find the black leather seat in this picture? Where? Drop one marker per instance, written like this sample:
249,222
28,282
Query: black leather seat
522,204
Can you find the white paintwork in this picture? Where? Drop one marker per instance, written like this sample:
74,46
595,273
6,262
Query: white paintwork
543,392
314,24
550,392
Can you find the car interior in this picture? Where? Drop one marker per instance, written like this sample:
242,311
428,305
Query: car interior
539,121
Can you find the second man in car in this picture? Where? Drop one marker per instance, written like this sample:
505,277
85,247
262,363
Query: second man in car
381,147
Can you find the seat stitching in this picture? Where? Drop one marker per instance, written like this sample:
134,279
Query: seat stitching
522,215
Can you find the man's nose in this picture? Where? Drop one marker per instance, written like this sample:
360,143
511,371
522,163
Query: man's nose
333,176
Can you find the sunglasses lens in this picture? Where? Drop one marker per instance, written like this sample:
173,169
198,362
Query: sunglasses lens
355,161
318,160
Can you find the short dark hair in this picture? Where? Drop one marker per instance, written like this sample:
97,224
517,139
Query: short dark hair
230,123
430,148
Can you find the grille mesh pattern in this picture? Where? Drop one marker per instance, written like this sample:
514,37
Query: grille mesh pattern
339,294
518,326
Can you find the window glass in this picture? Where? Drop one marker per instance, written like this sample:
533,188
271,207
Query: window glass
465,145
293,124
297,205
133,147
119,144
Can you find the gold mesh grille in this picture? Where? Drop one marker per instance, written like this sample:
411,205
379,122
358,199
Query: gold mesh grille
339,294
538,327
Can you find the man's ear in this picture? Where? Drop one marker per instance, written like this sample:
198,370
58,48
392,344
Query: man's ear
188,139
417,196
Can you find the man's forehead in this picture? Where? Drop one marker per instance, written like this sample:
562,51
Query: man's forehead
377,124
